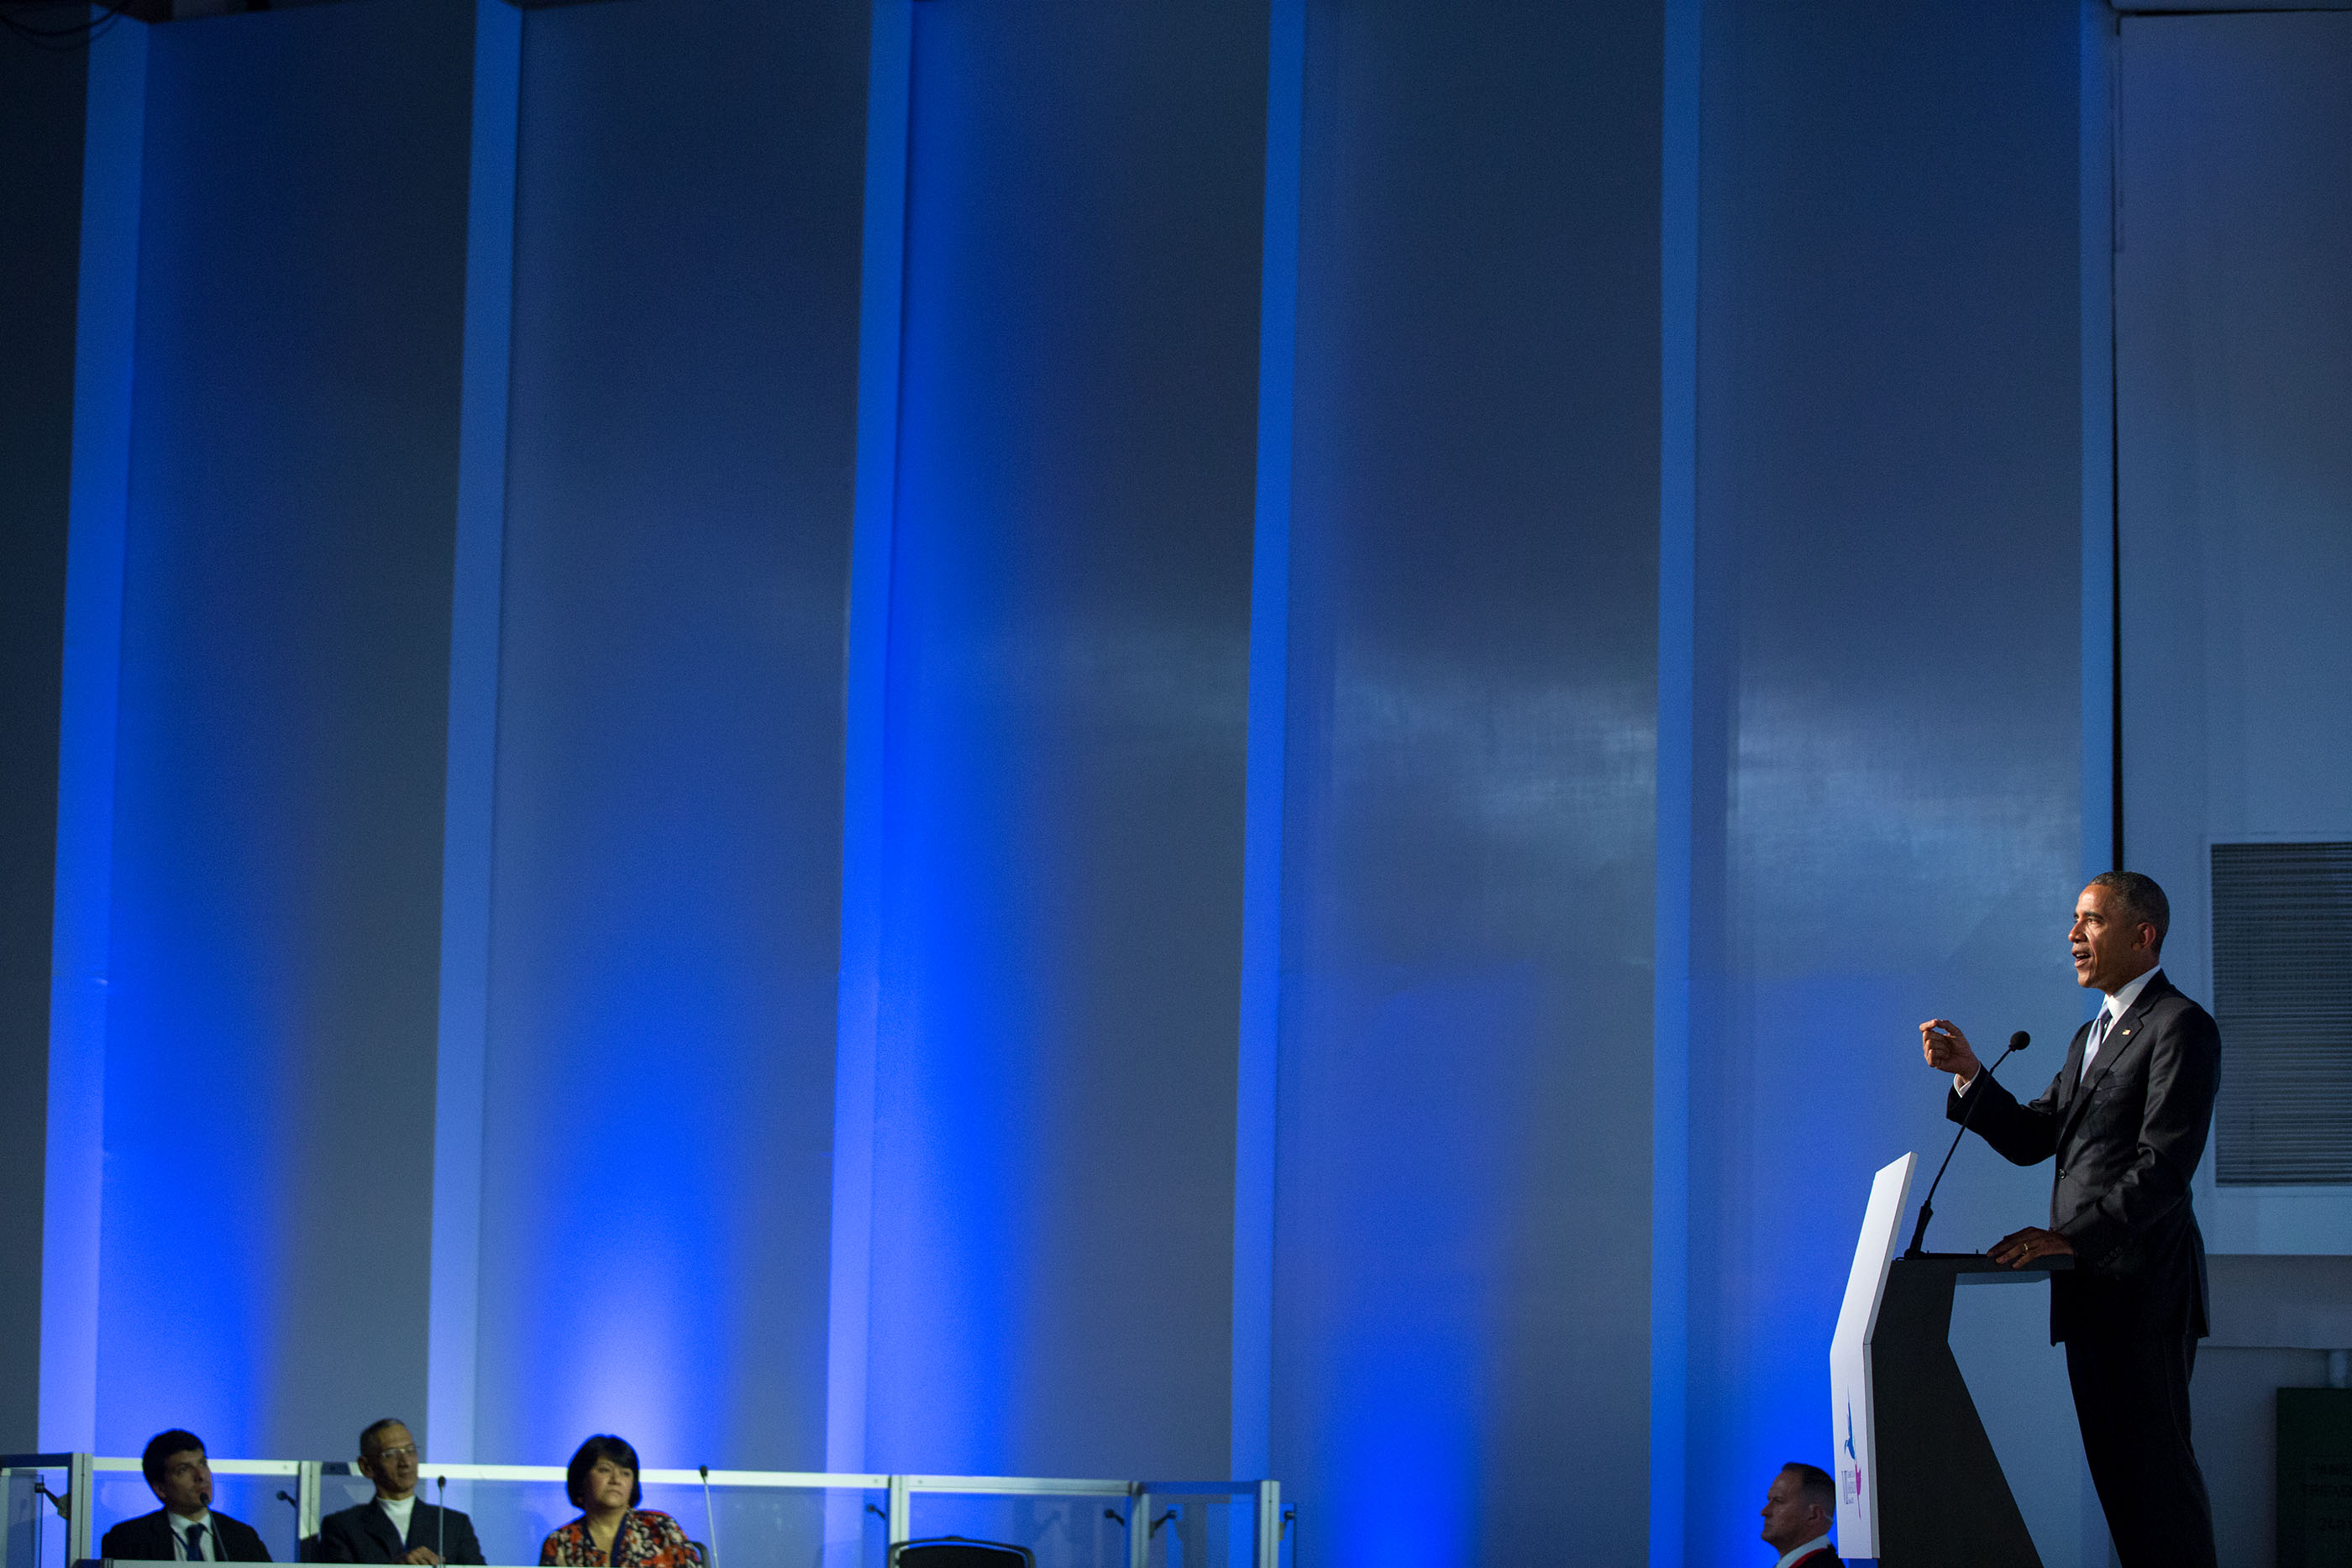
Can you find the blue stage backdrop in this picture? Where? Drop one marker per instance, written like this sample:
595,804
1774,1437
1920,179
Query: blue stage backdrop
269,1116
1067,717
1463,1215
1886,765
1888,827
659,1070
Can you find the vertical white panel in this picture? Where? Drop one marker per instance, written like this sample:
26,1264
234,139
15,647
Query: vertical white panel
468,821
1269,691
1670,1174
881,286
104,339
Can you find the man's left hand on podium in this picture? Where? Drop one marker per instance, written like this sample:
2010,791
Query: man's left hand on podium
2019,1249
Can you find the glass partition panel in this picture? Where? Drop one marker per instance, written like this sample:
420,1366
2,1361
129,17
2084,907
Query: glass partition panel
745,1526
779,1527
1202,1531
1063,1531
124,1494
31,1533
511,1517
338,1491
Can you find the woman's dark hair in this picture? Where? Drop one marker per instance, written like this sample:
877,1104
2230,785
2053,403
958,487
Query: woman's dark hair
603,1446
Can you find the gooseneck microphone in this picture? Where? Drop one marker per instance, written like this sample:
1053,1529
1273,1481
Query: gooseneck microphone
709,1519
441,1518
2017,1042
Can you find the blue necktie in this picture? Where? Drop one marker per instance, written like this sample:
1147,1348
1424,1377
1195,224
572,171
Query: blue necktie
195,1543
2099,1038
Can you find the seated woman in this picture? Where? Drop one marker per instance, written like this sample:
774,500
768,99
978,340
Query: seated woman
612,1529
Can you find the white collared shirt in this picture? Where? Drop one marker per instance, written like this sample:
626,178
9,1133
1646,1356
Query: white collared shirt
179,1523
2116,1006
398,1510
1803,1552
1799,1554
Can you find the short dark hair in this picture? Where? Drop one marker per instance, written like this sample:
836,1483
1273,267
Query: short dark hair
1813,1484
603,1446
161,1447
373,1428
2143,902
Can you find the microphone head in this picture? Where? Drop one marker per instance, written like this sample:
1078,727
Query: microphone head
2019,1040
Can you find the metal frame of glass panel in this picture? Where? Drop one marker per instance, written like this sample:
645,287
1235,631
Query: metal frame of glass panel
1266,1497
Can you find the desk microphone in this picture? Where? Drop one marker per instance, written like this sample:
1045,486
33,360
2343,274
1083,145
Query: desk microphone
2017,1042
441,1518
709,1519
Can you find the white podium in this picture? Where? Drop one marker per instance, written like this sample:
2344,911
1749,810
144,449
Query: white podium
1918,1484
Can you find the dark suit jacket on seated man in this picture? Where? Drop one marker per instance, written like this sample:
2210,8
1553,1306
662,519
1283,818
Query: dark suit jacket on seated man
394,1526
2126,1120
185,1528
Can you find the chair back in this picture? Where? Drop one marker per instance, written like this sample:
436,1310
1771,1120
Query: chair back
955,1551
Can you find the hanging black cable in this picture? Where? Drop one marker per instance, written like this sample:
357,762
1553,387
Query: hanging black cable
80,36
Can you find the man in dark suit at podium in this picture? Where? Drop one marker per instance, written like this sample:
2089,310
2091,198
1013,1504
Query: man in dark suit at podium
1797,1512
2127,1119
395,1525
185,1529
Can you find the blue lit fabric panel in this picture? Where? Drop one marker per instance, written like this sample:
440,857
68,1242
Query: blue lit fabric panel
658,1084
285,632
1463,1179
1067,711
1889,820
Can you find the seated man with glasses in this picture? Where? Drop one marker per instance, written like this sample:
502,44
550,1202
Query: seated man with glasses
185,1529
394,1526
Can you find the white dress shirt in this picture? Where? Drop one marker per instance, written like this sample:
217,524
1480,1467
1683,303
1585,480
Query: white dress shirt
2113,1014
179,1523
1797,1554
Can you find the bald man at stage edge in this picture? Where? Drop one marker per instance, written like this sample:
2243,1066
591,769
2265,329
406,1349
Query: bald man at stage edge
2125,1119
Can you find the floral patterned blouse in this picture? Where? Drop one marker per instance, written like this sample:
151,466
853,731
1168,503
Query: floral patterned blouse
646,1540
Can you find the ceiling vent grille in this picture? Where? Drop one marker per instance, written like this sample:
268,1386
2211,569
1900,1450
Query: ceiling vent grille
2283,996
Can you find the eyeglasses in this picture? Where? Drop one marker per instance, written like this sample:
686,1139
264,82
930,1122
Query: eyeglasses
406,1450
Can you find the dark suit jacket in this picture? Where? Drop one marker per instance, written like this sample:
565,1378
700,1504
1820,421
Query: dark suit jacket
2127,1143
1826,1557
364,1534
148,1537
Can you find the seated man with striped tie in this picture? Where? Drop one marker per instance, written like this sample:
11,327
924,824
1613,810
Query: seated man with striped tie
185,1529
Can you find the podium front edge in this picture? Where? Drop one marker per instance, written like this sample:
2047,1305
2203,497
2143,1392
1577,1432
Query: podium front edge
1852,1424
